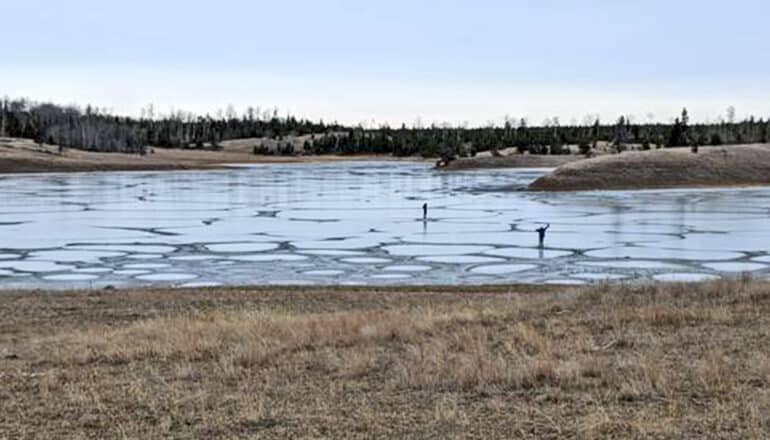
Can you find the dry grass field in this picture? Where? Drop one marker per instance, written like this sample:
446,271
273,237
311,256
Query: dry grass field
645,361
25,156
734,165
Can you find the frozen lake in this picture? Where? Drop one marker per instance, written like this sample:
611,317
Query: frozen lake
361,223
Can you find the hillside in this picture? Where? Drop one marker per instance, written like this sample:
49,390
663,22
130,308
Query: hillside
736,165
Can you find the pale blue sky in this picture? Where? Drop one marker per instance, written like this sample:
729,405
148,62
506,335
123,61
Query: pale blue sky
393,61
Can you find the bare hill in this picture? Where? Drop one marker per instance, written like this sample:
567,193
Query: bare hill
736,165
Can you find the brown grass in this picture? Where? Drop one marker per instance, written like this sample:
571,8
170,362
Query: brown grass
736,165
25,156
661,361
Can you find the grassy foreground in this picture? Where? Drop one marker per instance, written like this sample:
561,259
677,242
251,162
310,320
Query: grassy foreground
663,361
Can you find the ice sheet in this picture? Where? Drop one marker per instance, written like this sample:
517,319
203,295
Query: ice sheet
343,222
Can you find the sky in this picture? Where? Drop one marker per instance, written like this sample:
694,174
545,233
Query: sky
395,61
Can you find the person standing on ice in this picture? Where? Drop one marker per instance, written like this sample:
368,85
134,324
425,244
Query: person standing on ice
424,211
541,233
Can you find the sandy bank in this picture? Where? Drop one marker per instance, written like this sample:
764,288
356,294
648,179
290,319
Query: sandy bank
736,165
24,156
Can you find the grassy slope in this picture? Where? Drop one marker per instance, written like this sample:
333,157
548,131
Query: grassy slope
24,156
675,361
675,167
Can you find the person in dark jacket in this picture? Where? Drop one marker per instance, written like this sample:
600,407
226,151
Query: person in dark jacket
541,234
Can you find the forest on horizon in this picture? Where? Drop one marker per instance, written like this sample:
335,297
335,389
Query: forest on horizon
92,129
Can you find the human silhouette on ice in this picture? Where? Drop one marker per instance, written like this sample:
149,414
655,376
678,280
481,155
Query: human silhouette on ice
424,211
541,233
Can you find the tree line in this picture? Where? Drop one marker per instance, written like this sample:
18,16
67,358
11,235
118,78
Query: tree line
98,130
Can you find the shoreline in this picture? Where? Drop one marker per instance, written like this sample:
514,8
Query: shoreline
21,167
511,160
20,156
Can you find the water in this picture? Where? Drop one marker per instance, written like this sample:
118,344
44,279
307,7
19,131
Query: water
361,223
